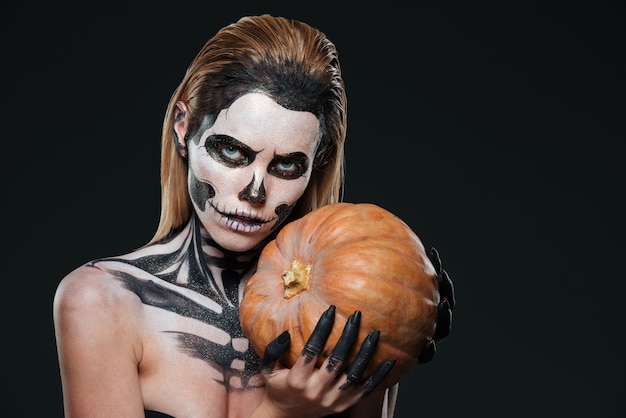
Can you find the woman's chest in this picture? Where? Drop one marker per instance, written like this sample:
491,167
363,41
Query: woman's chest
180,323
212,345
196,368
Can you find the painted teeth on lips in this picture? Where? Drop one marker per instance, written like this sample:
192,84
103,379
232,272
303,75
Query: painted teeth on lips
245,217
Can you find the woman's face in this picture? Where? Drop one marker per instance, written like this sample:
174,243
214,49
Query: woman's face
249,168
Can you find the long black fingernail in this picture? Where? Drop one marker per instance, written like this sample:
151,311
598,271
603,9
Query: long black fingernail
377,377
433,256
319,336
446,288
444,320
283,338
274,350
428,352
357,368
349,335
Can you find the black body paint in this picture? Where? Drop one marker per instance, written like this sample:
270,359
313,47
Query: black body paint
223,357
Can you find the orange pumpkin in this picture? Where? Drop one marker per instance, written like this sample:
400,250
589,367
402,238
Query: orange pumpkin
357,256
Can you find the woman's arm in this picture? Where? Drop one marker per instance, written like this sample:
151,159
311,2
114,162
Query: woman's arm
98,348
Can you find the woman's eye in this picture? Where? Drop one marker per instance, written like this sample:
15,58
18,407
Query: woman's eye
228,151
289,168
232,152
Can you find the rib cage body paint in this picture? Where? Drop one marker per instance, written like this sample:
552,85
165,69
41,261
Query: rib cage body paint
182,263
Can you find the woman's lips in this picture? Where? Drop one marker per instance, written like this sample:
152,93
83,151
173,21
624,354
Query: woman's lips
241,221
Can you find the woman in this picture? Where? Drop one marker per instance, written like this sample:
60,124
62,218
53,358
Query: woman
253,138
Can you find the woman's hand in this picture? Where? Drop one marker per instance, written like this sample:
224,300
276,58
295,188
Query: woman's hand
306,391
444,309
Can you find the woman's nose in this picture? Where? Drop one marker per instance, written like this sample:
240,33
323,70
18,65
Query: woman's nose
254,192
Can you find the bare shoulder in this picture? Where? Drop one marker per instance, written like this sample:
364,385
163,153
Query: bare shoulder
91,307
92,288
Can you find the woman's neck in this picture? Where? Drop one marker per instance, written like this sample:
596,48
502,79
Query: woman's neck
214,255
191,258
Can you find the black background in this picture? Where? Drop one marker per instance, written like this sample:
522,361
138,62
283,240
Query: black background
495,129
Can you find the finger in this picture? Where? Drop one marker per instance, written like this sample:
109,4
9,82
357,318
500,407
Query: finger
317,339
354,372
274,350
433,256
377,377
340,352
446,287
428,352
444,320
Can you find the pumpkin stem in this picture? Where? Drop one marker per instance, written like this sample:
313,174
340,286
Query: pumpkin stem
296,278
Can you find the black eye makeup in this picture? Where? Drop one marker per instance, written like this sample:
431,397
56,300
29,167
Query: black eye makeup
289,166
228,151
232,153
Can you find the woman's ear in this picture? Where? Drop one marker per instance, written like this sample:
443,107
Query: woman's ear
180,128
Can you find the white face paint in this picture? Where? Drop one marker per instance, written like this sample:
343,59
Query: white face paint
248,170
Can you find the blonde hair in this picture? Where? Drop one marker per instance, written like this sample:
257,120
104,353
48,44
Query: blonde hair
291,62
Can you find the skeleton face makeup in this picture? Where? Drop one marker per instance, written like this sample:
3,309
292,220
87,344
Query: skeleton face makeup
249,168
